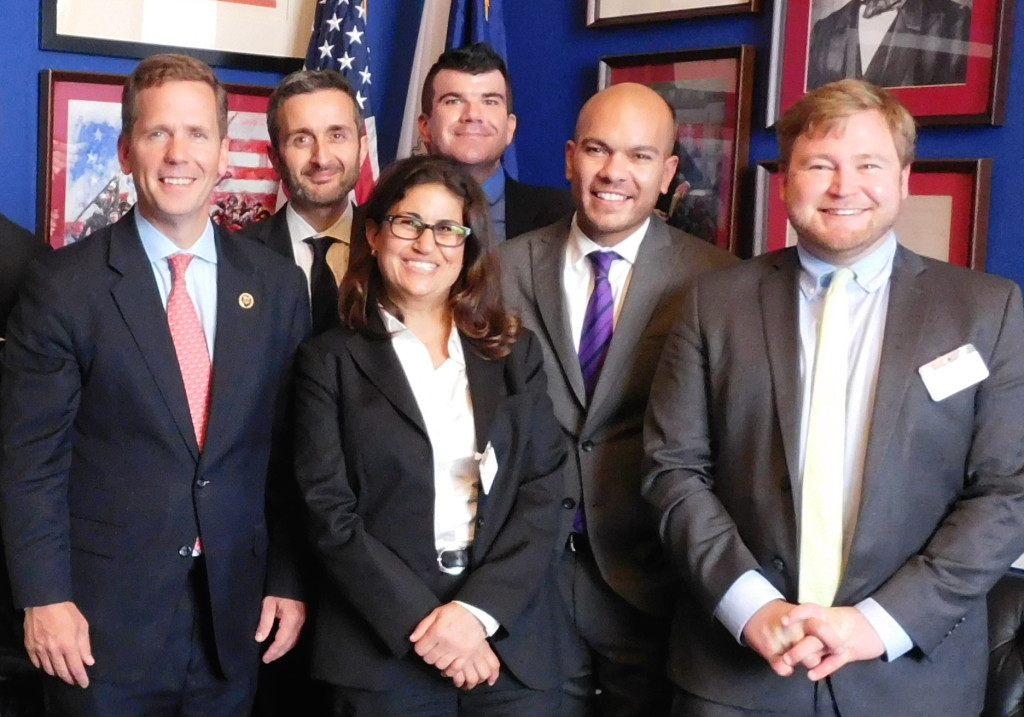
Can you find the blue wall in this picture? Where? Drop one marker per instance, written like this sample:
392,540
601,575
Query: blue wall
553,60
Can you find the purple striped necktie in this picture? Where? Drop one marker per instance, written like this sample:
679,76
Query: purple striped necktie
597,322
594,340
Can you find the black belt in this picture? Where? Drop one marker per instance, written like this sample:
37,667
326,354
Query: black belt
578,543
453,562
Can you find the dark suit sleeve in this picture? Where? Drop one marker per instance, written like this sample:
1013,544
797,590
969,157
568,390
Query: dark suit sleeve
509,575
984,530
384,590
40,394
288,560
701,538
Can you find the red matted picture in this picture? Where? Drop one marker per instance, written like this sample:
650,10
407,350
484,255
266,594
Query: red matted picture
710,93
81,186
946,60
945,217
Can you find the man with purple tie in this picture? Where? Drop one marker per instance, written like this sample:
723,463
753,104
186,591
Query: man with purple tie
600,290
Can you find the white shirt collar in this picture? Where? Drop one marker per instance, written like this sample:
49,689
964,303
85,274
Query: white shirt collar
401,332
300,229
580,244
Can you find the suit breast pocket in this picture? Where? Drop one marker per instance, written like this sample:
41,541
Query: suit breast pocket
95,537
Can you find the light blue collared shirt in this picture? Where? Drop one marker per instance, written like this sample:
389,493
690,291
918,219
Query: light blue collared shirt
869,299
200,277
494,188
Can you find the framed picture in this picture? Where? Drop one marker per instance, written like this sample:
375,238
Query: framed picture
269,35
710,91
81,186
945,217
615,12
946,60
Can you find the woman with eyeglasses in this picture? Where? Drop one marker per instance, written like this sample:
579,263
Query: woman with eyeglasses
430,461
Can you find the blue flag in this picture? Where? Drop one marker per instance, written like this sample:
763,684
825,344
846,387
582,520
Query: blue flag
473,21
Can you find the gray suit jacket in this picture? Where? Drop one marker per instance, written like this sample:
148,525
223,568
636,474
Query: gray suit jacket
942,508
604,438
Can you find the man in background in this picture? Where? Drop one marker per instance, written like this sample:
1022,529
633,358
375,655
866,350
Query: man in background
835,441
601,289
467,116
317,146
143,492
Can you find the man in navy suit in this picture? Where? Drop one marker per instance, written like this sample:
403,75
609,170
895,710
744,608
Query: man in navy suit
142,488
467,116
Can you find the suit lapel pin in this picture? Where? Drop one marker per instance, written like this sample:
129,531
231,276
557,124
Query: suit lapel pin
245,300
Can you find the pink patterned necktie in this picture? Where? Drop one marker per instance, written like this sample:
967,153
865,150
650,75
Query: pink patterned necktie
190,345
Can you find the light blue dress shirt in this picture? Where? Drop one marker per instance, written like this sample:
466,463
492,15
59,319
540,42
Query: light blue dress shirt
494,188
200,277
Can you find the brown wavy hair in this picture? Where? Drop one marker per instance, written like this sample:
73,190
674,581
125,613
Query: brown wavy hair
475,302
158,69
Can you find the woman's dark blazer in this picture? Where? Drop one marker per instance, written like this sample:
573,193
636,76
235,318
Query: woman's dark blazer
364,465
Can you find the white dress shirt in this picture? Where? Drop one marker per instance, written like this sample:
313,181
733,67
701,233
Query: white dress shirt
869,299
337,256
578,274
442,395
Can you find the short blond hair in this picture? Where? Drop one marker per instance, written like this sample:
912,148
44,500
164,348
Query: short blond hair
821,109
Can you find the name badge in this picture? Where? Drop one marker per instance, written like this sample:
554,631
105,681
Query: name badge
953,372
488,467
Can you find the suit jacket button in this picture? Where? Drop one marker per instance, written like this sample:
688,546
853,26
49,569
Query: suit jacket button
779,564
185,551
568,504
587,446
202,483
480,520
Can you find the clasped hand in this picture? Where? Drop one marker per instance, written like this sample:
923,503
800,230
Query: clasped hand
451,639
822,639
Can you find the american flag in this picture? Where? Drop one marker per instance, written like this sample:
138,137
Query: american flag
339,42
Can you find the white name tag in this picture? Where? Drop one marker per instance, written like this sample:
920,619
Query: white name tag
953,372
488,467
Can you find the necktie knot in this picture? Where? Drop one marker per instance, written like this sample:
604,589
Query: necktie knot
320,245
179,264
602,262
839,278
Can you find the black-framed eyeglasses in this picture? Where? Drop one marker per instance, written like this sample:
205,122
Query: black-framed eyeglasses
446,233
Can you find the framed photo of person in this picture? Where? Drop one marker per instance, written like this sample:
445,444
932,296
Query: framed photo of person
947,60
945,217
615,12
81,186
269,35
710,92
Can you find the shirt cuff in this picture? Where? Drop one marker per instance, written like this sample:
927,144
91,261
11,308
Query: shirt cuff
747,595
896,640
489,623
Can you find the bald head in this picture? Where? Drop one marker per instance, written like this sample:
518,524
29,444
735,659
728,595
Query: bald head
637,101
620,160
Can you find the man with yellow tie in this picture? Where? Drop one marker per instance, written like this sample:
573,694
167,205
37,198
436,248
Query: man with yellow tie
834,447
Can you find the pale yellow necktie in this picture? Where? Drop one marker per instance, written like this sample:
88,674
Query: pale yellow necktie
821,518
